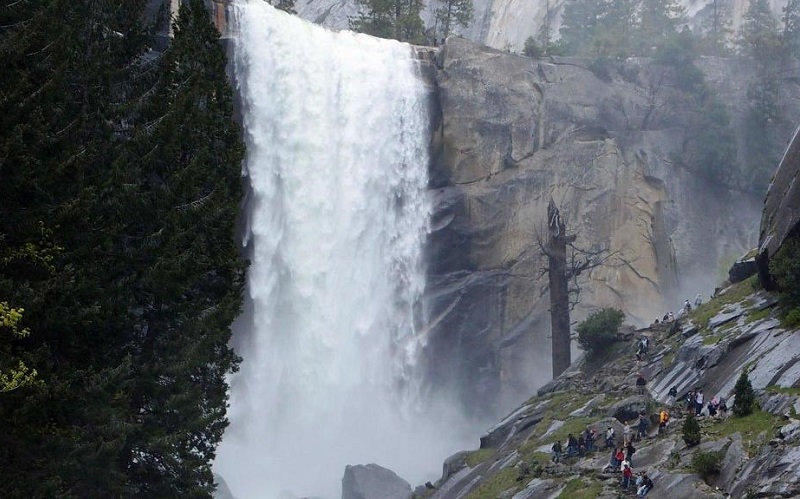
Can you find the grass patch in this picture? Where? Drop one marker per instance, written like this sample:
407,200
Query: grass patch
578,489
712,339
790,390
505,480
572,425
757,315
756,429
669,358
734,294
476,457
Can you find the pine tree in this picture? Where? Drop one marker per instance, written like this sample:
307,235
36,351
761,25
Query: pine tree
791,26
398,19
453,13
691,430
758,35
579,25
745,396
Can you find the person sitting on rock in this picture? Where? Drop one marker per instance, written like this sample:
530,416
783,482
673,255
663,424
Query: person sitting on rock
647,486
556,451
613,462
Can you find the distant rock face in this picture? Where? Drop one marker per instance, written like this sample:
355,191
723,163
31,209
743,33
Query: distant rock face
514,132
781,207
371,481
505,24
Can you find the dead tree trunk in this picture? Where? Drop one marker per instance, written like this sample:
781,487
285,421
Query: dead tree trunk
556,251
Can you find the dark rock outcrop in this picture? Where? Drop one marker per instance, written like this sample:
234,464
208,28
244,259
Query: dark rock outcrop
781,214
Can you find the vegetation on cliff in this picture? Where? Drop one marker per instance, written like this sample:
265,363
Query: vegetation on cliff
120,181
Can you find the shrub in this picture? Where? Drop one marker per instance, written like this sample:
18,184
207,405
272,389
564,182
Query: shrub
532,49
706,464
745,396
691,430
599,330
784,267
792,318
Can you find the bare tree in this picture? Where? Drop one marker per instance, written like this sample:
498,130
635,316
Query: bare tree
565,263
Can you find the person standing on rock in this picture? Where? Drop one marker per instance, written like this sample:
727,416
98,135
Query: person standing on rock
698,402
556,451
642,426
627,473
640,382
672,396
663,421
626,433
630,450
610,435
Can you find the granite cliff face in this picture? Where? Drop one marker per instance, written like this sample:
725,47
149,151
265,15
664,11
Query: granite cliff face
505,24
514,132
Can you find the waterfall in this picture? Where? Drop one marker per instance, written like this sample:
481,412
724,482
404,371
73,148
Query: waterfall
337,136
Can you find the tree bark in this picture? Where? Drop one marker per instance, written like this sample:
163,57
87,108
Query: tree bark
557,240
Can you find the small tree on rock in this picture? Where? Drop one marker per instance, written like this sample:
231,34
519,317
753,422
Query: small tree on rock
599,330
745,396
691,430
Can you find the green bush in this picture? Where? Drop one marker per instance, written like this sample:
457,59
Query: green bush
745,396
784,267
599,330
706,464
691,430
532,49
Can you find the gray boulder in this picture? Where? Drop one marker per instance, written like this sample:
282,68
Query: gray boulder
370,481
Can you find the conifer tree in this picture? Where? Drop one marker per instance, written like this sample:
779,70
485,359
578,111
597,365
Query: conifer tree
745,396
690,429
398,19
453,13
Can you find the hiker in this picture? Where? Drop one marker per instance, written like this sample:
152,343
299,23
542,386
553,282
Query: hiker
670,317
698,300
626,433
620,458
610,435
640,382
630,450
712,408
663,421
673,396
687,307
581,445
689,399
641,426
627,473
591,436
723,406
647,486
613,462
698,400
572,445
556,451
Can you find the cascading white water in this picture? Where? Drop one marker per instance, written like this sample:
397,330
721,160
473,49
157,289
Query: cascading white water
337,137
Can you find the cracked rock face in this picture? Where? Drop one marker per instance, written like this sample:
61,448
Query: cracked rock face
514,132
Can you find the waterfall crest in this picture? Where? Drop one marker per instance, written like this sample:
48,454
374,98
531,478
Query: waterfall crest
337,137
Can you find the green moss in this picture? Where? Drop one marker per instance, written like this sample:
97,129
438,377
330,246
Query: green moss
476,457
757,315
577,488
756,429
571,425
790,390
712,339
503,481
668,359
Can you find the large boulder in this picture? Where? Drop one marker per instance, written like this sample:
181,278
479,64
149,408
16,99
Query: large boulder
370,481
781,209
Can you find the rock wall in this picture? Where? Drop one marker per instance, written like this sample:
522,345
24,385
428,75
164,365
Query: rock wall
505,24
515,132
781,208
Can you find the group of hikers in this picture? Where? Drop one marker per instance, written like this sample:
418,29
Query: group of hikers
621,455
